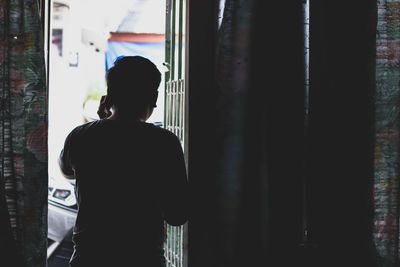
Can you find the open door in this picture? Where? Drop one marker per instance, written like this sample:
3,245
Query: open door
176,110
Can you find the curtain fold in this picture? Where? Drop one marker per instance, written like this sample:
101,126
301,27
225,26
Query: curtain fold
23,130
342,85
232,59
387,176
259,131
255,146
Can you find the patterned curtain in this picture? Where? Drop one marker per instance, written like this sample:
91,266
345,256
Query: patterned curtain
23,135
387,176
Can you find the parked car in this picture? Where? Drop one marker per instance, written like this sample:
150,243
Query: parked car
62,207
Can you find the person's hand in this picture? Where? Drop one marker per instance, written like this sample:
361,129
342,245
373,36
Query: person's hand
103,112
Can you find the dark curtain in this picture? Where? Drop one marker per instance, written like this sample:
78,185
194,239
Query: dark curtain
265,191
270,222
23,136
245,133
341,163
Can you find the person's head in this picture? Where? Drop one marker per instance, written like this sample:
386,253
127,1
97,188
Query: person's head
132,85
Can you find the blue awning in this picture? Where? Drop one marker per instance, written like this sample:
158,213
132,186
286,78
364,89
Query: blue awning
152,51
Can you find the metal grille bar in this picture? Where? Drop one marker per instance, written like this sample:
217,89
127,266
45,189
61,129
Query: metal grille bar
174,111
174,121
173,250
175,107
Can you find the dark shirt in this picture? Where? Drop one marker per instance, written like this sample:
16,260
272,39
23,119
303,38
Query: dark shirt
130,177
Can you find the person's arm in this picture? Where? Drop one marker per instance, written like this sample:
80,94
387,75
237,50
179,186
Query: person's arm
66,171
64,161
176,185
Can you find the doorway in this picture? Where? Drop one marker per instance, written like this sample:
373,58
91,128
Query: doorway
82,45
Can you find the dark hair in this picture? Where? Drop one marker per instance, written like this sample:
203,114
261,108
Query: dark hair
133,82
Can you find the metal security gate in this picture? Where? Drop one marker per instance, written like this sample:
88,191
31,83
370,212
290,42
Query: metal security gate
175,112
175,107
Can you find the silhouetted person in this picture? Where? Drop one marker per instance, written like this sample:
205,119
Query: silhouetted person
130,175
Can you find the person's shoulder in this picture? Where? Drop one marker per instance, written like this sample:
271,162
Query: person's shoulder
83,128
162,132
163,137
